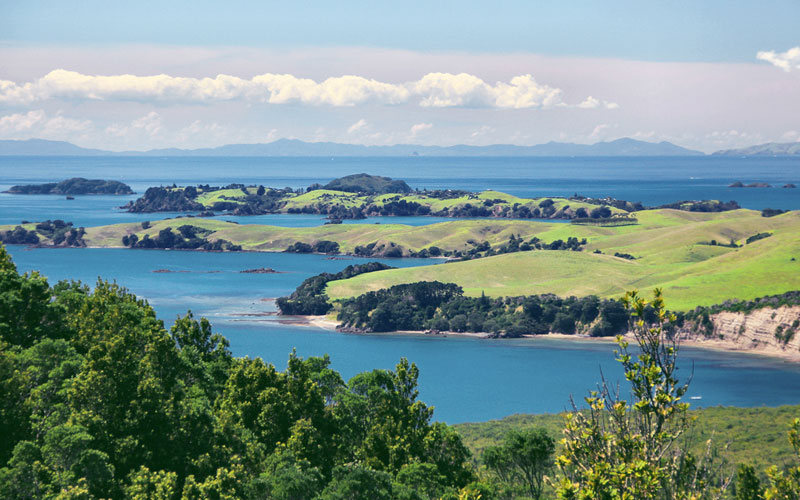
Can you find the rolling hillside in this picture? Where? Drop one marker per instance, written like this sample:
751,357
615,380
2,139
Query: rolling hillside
671,250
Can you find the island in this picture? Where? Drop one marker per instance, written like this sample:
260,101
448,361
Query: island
740,184
362,195
74,186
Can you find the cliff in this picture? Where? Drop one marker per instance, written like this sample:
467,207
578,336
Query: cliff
766,331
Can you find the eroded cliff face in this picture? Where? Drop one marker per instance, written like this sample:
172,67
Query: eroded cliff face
772,331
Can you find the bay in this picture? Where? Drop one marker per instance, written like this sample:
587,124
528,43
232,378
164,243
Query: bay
466,379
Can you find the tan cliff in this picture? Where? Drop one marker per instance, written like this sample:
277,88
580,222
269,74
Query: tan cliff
768,331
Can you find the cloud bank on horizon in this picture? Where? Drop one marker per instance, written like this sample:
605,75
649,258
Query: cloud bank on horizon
430,73
437,90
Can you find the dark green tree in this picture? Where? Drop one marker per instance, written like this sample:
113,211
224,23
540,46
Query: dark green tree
523,460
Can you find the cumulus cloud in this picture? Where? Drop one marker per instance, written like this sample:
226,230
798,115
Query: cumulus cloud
593,103
419,127
787,61
484,130
357,126
149,125
38,123
446,90
432,90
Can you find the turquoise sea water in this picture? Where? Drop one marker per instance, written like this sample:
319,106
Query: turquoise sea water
465,379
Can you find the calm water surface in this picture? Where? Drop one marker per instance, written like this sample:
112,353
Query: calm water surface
652,181
465,379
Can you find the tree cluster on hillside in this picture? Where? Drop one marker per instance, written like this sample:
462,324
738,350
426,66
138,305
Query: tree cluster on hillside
310,299
686,205
99,400
476,249
321,246
515,244
162,199
368,184
442,306
58,232
703,206
187,237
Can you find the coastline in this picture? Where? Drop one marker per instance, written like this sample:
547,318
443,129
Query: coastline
721,345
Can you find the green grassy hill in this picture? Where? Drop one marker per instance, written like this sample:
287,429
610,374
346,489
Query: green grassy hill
671,250
329,198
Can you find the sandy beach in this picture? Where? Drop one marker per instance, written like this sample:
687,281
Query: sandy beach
725,345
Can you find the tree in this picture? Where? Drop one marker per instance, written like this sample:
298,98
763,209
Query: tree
152,485
26,311
616,449
786,484
358,483
523,459
748,486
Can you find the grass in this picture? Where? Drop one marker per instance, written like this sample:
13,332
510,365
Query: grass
331,198
671,252
229,195
670,247
757,436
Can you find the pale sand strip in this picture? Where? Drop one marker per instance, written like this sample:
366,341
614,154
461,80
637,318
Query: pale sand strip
713,344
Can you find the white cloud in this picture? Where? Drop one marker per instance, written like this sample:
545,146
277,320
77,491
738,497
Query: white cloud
484,130
20,122
357,126
601,131
787,61
149,125
589,103
36,123
432,90
593,103
446,90
420,127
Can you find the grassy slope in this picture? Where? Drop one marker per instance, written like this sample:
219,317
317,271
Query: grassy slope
666,245
333,198
447,235
752,435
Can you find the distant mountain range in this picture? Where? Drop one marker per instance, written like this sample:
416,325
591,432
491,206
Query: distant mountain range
293,147
768,149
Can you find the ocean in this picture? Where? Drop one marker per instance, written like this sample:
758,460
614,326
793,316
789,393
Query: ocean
465,379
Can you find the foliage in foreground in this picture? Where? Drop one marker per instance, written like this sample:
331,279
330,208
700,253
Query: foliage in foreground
621,449
98,400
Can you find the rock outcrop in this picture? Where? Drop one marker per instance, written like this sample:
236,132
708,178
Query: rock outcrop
766,330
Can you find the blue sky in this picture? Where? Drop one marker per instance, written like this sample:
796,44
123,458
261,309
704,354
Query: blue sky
429,72
707,30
